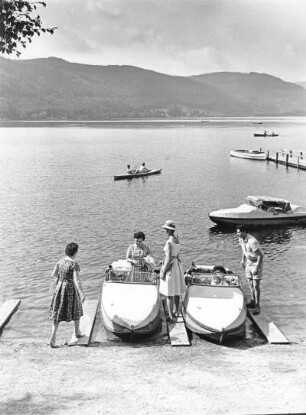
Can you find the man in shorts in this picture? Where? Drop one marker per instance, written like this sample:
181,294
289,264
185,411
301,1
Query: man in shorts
252,261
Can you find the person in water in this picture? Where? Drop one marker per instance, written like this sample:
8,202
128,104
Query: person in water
252,261
68,294
172,284
139,254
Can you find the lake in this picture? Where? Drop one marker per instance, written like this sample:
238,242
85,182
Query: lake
57,186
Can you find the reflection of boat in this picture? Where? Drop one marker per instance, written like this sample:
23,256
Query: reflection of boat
265,134
135,175
214,304
249,154
130,300
261,211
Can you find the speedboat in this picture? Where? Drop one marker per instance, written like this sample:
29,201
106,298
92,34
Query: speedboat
249,154
130,300
136,175
214,305
261,211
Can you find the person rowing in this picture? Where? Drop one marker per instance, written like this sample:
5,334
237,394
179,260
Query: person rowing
142,169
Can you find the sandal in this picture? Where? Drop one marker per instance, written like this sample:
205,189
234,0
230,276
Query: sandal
79,335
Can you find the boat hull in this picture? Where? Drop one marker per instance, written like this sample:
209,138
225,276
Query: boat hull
249,154
130,309
265,135
217,313
259,221
137,175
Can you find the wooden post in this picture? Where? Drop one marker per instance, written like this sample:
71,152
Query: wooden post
276,158
268,155
298,162
287,158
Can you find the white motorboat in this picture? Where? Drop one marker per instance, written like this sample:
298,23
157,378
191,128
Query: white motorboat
214,305
261,211
249,154
130,300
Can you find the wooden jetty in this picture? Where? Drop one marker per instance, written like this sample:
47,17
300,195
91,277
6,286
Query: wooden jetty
177,332
289,158
8,308
267,328
86,323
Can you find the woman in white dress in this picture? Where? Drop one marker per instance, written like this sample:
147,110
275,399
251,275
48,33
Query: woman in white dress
172,284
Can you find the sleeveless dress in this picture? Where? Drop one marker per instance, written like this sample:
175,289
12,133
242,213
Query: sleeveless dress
66,303
174,283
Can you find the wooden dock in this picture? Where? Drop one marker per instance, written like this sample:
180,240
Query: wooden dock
269,329
288,158
86,323
8,308
261,321
177,332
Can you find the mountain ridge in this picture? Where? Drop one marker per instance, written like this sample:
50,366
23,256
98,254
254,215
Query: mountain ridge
55,89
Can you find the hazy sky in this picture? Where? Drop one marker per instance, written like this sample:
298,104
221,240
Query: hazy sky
179,37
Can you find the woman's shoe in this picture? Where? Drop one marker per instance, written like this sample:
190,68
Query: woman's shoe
256,311
79,335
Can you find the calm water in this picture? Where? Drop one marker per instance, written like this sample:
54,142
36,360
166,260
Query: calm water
57,186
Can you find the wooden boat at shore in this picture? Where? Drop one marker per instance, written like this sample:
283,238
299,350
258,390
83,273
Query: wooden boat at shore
249,154
136,175
130,300
214,305
261,211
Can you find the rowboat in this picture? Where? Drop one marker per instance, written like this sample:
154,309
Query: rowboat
249,154
214,305
265,135
130,300
136,175
261,211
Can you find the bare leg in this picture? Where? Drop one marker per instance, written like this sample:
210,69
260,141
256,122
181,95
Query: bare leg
176,309
256,285
252,288
77,328
53,334
170,307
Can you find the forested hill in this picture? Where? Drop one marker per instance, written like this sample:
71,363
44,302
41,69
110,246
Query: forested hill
54,89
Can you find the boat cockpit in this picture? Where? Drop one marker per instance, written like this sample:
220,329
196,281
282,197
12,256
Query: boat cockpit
269,204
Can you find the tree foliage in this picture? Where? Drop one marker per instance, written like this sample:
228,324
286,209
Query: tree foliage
19,22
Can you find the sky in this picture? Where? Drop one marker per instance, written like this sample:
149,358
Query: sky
178,37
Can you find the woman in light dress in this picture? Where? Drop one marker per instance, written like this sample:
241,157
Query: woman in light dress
139,253
172,284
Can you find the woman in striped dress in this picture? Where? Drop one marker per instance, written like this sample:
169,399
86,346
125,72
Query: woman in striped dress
68,296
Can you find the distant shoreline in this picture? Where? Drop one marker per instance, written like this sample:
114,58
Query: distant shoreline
84,123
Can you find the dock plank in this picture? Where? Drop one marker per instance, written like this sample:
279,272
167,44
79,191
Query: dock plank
8,308
268,328
177,331
86,323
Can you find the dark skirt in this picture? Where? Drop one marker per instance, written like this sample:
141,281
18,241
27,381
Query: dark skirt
66,303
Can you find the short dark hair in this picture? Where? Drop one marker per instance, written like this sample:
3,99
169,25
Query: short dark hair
71,249
219,268
138,235
241,228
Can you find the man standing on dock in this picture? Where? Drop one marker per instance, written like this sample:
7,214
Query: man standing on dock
252,261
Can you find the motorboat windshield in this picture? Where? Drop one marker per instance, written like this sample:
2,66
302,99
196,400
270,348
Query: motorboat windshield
269,203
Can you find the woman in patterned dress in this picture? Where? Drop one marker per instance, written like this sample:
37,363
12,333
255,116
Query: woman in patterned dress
68,296
172,284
